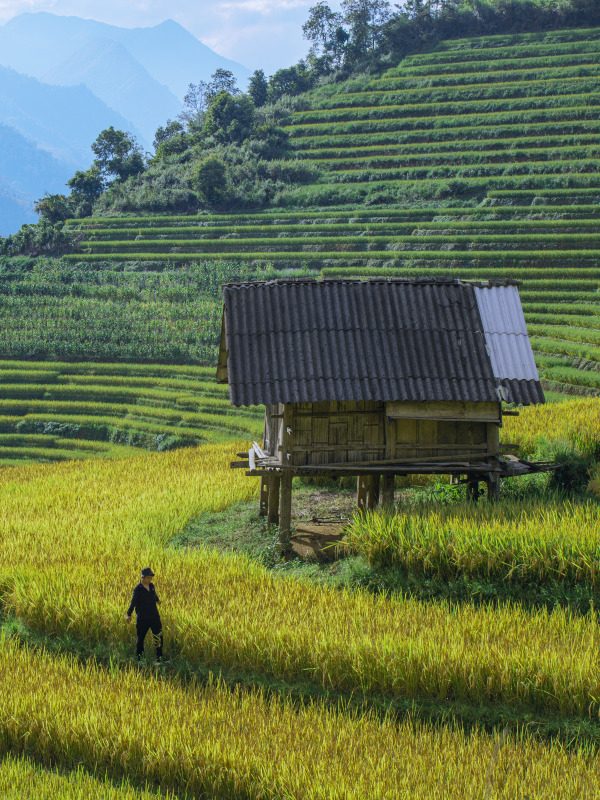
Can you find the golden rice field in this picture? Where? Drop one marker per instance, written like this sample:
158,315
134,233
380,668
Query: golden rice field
518,541
22,778
72,538
222,743
65,527
573,422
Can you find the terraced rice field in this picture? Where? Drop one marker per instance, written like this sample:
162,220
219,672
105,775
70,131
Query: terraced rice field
53,411
480,159
216,739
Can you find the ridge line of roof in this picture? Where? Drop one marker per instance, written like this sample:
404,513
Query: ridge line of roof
492,282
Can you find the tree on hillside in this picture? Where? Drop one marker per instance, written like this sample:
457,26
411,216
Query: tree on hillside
229,119
222,80
86,187
195,101
167,132
53,208
290,81
365,20
199,95
270,141
258,88
208,178
118,155
325,30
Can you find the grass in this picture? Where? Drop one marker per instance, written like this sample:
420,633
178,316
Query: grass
238,744
522,542
398,648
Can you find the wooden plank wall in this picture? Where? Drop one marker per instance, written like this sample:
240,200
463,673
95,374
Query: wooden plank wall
337,432
273,432
347,432
421,438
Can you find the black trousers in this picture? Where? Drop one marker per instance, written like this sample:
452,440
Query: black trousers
143,625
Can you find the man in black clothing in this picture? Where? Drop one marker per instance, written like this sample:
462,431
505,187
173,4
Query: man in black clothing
145,601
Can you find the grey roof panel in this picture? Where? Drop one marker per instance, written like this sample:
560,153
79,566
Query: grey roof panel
508,344
523,392
500,309
506,333
307,341
512,356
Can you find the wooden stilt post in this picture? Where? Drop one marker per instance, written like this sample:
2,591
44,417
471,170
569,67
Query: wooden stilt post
273,510
493,487
285,511
388,490
362,492
264,496
472,489
367,491
373,500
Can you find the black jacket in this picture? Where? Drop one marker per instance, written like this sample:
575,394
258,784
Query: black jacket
144,601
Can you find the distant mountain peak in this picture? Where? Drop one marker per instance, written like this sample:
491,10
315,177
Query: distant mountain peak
38,42
76,76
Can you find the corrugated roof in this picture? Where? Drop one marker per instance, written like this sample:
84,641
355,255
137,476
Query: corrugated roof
508,344
308,341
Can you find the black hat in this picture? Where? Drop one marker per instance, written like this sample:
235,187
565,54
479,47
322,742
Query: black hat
147,573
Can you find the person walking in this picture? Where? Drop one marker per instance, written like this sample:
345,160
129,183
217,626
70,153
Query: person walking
145,601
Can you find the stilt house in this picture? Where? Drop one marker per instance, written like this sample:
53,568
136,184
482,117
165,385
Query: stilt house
376,378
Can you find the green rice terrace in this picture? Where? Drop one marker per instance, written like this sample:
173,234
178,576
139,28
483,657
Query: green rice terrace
479,159
51,411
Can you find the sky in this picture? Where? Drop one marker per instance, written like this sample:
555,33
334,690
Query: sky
257,33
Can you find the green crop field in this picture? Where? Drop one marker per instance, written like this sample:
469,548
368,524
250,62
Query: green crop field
52,411
479,159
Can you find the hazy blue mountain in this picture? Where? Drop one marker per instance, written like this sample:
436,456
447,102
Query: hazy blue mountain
13,213
62,120
140,72
154,48
117,78
64,79
26,174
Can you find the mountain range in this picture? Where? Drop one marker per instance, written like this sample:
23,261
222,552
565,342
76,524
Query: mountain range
26,172
64,79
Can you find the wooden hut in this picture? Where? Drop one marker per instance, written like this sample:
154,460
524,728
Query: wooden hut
375,379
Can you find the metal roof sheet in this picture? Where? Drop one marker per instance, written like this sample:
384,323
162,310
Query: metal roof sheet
414,340
307,341
506,333
524,392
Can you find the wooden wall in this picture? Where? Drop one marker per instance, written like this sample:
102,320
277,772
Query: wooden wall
437,430
336,432
347,432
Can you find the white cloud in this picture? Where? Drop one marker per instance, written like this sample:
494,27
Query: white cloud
264,7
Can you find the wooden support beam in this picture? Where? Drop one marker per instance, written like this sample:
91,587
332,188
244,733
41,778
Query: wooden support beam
264,496
273,508
374,491
493,487
285,511
387,490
